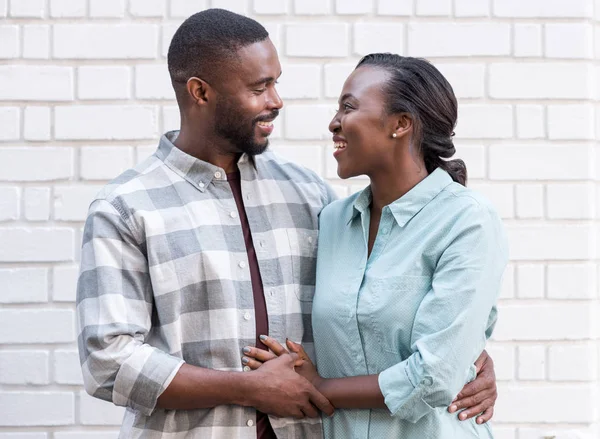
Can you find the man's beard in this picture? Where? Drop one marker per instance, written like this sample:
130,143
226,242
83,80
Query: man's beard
231,125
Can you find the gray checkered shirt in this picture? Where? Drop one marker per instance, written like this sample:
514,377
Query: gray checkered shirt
165,280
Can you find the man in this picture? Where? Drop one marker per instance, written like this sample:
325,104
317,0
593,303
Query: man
196,252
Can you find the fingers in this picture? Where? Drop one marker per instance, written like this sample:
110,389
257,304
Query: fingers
251,363
481,361
258,354
274,345
296,347
467,402
472,411
310,411
321,402
486,416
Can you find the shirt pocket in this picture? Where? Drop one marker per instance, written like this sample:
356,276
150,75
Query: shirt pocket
394,304
303,260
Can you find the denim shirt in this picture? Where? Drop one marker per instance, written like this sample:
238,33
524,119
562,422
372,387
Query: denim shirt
417,311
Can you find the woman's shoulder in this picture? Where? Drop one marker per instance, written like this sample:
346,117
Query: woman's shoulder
466,202
339,209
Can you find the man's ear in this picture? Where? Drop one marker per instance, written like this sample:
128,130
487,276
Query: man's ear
199,90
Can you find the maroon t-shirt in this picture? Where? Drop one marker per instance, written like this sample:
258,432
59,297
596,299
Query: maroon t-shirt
263,426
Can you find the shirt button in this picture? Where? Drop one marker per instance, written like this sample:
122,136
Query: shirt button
310,239
247,316
385,230
242,264
200,185
272,292
218,174
247,369
233,215
250,423
261,243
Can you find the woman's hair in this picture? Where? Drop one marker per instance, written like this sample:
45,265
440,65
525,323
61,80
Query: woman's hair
416,87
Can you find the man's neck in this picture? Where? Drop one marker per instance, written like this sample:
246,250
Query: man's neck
204,148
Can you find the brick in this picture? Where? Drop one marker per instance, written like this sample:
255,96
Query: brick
105,41
572,281
317,40
307,122
542,9
71,203
573,121
309,156
563,321
153,82
37,123
237,6
9,203
530,200
107,8
171,119
36,83
312,7
268,7
10,121
550,241
66,367
335,76
501,432
471,8
571,201
104,434
147,8
467,80
568,40
167,31
530,281
501,196
28,8
31,326
64,283
67,8
3,8
504,361
558,432
434,7
473,121
395,7
528,403
36,244
30,163
185,8
24,285
24,367
104,82
36,41
353,7
540,162
143,152
105,162
300,81
573,362
37,408
540,81
458,39
474,158
378,37
93,411
530,121
507,291
105,122
38,435
532,362
528,39
9,35
37,203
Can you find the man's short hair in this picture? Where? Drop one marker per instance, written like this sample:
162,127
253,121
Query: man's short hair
208,41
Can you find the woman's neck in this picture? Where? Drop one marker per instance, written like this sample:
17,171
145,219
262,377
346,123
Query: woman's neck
390,184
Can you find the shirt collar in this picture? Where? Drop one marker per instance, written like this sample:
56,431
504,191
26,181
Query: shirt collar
197,172
407,206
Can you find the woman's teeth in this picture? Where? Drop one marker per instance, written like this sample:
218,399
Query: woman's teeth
339,145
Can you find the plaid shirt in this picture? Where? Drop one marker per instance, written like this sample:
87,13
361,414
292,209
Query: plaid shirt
165,280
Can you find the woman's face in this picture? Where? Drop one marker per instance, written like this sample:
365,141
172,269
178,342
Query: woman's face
362,131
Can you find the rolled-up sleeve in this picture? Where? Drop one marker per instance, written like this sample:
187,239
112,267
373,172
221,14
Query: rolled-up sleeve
114,309
454,318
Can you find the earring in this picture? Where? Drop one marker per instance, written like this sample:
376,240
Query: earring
394,135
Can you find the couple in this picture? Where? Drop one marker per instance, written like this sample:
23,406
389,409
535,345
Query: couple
204,256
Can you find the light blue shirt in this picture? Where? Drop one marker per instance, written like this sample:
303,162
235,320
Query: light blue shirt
417,311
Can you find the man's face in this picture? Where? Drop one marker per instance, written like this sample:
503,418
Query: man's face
247,102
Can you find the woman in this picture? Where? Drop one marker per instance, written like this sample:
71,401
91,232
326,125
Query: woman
408,270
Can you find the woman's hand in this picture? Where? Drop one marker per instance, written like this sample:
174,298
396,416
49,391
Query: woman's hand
479,396
255,357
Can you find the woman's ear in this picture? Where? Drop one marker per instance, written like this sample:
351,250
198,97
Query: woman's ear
403,125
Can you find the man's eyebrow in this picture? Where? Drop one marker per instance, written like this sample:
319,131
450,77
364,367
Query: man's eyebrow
345,96
265,80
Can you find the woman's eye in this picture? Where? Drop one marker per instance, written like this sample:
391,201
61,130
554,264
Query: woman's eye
347,107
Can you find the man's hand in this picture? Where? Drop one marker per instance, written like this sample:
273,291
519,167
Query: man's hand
279,391
478,396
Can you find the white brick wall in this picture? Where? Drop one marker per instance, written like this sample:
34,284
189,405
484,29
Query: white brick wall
84,94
